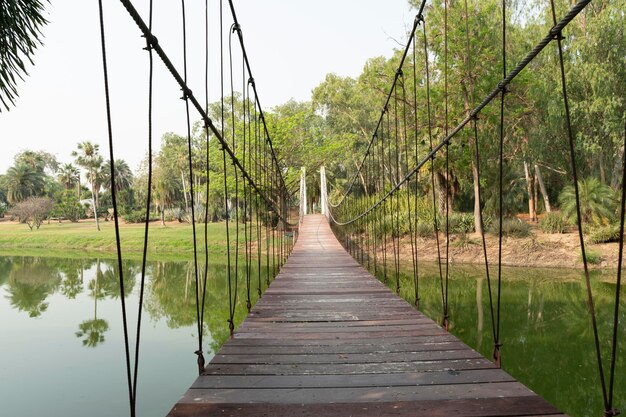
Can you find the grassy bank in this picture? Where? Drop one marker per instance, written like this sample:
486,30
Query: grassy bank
174,240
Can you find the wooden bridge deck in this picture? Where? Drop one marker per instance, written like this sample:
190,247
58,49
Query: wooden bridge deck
327,338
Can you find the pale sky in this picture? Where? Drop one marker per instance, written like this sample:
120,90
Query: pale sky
291,44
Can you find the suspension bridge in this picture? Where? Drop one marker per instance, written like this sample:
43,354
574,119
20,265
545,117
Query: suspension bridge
327,337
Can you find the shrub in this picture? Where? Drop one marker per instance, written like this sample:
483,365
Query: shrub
604,234
553,222
174,213
597,202
135,216
511,227
593,257
33,211
461,223
424,230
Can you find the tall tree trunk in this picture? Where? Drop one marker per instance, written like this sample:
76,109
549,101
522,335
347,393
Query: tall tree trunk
182,177
441,191
617,168
529,187
536,195
162,217
542,186
362,179
477,223
95,209
601,166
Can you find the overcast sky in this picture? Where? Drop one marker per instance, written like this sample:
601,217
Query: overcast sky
291,44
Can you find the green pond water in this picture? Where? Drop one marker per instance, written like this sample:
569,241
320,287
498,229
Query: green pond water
61,340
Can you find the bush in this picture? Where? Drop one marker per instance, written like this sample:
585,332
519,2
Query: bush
553,222
511,227
174,213
604,234
593,257
597,202
135,216
461,223
69,208
33,211
424,230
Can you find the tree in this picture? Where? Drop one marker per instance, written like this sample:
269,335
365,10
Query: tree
597,202
69,175
88,157
22,181
123,175
33,211
20,35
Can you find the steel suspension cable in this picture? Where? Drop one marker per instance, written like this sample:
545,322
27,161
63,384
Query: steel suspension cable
482,228
447,156
233,28
497,344
395,236
432,165
618,285
144,255
191,189
570,134
207,191
415,217
131,386
230,319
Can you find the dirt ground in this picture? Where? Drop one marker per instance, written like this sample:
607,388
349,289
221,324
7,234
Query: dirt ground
537,250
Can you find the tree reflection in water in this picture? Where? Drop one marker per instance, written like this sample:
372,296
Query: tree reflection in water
545,320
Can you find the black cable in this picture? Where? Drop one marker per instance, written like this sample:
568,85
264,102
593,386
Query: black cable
231,325
570,135
432,167
131,396
415,217
618,285
191,190
482,229
207,190
144,255
234,28
447,156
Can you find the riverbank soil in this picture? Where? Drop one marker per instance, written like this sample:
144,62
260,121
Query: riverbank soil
537,250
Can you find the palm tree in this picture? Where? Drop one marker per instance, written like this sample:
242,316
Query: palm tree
597,202
68,176
20,26
22,182
88,157
123,175
92,331
164,189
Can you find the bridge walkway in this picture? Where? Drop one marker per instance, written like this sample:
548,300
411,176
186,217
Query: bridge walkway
328,339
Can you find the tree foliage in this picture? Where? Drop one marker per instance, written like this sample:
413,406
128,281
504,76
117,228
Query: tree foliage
33,211
21,22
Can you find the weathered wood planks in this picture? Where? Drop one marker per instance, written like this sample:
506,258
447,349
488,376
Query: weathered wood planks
328,339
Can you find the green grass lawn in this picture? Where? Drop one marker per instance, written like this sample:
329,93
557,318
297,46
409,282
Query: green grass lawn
175,240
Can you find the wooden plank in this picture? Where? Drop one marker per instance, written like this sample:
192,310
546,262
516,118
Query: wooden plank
511,406
347,381
357,394
328,339
348,368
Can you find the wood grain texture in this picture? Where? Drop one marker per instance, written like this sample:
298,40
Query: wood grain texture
328,339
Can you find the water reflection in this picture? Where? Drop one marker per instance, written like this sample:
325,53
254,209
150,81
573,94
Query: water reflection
76,306
545,327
